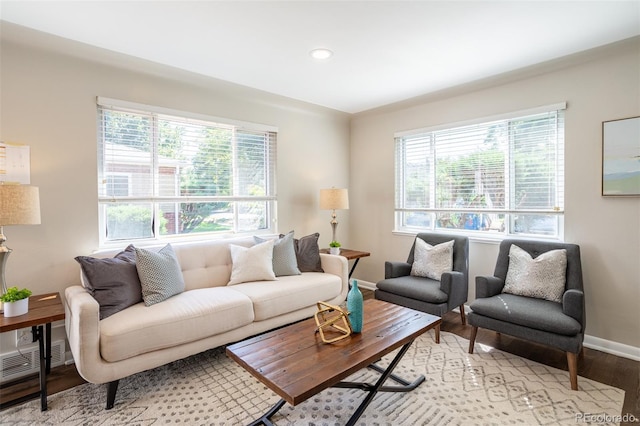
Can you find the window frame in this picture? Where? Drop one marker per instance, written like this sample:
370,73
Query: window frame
156,200
430,224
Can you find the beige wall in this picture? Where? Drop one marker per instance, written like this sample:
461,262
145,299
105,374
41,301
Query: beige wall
602,85
48,101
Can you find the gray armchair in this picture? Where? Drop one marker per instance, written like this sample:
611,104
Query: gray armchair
435,297
559,325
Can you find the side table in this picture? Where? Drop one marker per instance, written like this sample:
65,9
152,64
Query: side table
43,310
350,255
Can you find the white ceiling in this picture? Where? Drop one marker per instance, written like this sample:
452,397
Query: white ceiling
384,51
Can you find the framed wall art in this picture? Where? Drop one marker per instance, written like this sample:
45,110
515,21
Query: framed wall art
621,157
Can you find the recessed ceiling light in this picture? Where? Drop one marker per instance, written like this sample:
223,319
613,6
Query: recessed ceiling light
321,53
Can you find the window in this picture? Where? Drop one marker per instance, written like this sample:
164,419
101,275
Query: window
164,173
496,177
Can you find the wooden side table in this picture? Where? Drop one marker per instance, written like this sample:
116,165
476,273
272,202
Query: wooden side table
350,255
43,310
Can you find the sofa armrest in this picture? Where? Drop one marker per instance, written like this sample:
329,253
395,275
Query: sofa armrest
396,269
454,284
573,305
488,286
82,324
337,265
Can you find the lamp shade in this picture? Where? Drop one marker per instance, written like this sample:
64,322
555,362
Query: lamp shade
334,199
19,205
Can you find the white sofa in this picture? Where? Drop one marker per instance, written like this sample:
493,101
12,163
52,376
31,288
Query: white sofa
206,315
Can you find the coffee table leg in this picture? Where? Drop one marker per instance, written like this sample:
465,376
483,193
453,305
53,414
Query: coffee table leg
373,390
266,418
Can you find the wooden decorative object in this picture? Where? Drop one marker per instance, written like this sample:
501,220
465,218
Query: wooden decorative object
327,319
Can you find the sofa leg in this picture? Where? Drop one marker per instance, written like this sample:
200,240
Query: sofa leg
572,360
437,331
111,393
463,316
472,339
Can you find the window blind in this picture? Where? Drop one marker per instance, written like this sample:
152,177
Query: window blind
168,174
503,175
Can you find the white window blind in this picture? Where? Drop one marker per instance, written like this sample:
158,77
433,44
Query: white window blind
504,176
164,174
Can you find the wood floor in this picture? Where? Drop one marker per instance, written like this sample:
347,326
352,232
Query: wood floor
615,371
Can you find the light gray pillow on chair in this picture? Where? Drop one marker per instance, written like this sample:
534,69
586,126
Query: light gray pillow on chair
160,274
432,261
543,277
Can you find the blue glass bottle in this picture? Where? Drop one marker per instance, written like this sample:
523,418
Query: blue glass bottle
355,308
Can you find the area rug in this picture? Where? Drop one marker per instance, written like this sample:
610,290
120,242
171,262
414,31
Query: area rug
489,387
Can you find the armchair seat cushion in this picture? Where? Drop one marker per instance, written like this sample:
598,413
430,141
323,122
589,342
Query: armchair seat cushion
529,312
419,288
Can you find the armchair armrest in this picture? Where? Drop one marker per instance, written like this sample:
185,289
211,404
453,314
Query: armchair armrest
573,305
456,286
396,269
488,286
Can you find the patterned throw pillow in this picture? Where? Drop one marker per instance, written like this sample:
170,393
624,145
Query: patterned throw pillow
432,261
113,282
543,277
160,274
252,263
284,255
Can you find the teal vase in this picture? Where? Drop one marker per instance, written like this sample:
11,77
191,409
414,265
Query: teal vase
355,308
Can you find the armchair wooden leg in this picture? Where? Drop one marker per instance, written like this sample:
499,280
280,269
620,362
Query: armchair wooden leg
437,331
572,360
472,339
463,316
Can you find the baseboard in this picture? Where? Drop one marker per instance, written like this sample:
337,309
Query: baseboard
367,285
613,348
591,342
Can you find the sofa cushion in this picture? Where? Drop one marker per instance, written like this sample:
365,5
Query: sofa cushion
419,288
527,311
308,253
183,318
543,277
252,263
284,255
432,261
288,294
113,282
160,274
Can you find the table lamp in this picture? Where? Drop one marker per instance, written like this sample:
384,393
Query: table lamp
19,205
334,199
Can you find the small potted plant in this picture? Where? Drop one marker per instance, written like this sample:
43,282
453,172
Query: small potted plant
334,247
15,302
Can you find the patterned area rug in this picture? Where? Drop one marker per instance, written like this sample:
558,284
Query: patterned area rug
489,387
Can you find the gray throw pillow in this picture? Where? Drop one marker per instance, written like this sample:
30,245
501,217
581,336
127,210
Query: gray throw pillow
113,282
160,274
284,255
308,253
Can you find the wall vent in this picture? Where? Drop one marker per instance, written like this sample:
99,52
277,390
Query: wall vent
14,365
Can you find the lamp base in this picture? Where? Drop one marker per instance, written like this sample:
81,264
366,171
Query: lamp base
4,255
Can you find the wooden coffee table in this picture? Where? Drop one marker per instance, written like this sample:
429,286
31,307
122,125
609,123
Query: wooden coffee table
294,362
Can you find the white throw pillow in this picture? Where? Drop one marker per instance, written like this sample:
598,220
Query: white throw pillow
252,263
432,261
543,277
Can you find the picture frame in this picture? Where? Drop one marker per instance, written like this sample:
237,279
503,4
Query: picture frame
621,157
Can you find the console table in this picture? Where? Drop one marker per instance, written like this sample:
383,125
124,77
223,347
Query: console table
43,310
